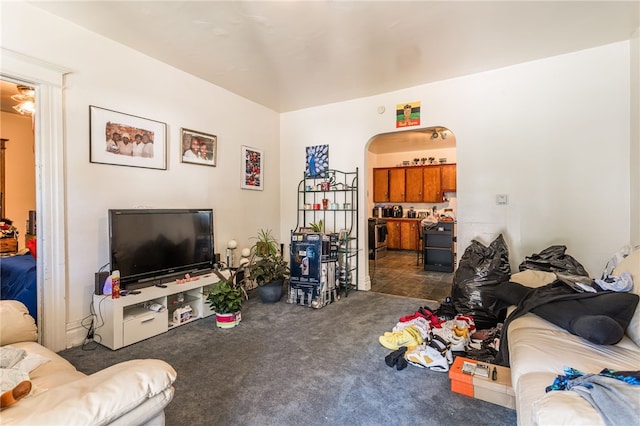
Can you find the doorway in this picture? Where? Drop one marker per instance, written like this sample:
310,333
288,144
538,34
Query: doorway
408,154
48,81
17,174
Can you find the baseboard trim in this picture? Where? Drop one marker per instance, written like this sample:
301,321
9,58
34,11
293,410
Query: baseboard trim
365,284
75,334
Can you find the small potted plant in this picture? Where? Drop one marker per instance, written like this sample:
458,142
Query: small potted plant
267,267
226,297
317,226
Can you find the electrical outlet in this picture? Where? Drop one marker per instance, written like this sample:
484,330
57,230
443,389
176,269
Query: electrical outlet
502,199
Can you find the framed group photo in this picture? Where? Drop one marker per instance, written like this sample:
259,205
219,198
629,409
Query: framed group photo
198,147
252,169
126,140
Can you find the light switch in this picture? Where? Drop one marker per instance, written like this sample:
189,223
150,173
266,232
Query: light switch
502,199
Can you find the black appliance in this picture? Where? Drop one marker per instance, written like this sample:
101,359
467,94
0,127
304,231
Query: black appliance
396,211
377,238
387,211
151,246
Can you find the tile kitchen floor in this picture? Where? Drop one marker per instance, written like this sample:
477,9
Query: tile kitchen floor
398,274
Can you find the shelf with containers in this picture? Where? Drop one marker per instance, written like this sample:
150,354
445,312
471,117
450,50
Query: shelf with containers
333,199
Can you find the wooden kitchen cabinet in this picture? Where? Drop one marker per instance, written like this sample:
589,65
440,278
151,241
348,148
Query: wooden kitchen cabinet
448,177
413,184
402,234
380,185
388,185
393,234
396,184
409,234
431,191
417,184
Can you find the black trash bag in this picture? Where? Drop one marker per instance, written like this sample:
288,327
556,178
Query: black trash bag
480,270
553,259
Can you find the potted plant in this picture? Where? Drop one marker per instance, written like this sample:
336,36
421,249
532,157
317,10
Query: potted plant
267,267
225,297
317,226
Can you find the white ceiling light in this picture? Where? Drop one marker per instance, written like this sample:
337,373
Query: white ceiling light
26,99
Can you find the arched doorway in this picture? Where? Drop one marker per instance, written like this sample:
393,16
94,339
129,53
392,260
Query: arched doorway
402,158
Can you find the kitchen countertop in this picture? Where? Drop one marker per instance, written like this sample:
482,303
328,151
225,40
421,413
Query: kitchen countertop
417,219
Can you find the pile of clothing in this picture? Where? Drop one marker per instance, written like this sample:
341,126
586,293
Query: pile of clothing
429,339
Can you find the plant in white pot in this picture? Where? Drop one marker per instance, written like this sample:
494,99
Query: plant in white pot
267,267
226,297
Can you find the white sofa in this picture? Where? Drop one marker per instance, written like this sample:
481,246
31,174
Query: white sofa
130,393
539,351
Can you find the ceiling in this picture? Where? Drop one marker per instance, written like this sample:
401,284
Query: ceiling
290,55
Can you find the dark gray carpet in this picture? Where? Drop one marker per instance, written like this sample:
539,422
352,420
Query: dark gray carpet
291,365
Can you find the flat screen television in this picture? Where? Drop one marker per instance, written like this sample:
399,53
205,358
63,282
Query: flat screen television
149,246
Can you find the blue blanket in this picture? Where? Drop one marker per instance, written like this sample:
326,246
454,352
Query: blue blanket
18,281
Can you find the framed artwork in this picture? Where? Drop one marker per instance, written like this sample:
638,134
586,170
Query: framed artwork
252,169
198,147
317,161
126,140
408,114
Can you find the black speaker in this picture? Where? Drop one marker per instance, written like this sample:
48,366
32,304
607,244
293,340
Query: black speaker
101,277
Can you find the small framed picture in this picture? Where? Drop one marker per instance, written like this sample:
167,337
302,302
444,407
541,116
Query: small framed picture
126,140
198,148
317,162
252,169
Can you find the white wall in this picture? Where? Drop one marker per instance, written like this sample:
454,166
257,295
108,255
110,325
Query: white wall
553,134
109,75
20,175
634,154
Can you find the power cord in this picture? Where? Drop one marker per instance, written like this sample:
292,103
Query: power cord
372,270
91,324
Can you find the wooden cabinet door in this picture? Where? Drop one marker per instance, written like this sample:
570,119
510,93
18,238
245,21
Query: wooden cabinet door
409,235
413,184
431,192
448,177
380,185
396,184
393,234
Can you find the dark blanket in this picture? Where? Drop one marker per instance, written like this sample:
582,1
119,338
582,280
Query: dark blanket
601,318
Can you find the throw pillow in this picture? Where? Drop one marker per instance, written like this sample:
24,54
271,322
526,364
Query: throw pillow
30,362
532,278
598,329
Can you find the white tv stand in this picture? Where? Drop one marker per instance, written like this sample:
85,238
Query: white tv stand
128,319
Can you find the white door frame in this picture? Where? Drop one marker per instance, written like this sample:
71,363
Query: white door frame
48,80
